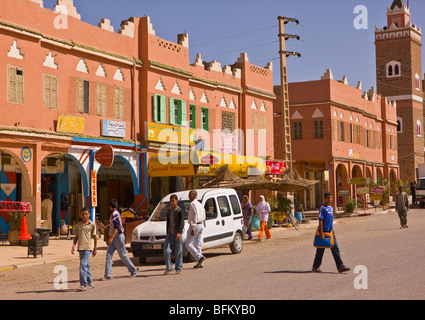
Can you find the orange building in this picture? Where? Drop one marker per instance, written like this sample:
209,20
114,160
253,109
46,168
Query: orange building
70,88
339,132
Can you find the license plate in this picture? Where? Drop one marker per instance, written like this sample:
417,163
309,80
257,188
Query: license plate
152,247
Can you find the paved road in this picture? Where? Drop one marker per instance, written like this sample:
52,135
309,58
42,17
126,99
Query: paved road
279,268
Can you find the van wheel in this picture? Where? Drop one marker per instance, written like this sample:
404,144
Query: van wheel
237,244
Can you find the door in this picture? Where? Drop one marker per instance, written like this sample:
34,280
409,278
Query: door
211,224
226,219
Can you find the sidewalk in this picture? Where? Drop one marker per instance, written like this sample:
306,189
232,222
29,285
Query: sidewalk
13,257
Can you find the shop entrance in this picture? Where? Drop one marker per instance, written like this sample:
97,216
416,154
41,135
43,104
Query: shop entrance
64,182
117,182
14,184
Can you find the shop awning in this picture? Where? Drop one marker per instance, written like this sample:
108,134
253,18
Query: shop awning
203,163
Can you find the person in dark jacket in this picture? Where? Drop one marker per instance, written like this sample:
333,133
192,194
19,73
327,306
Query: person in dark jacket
173,241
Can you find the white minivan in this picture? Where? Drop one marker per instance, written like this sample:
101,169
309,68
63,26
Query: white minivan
223,224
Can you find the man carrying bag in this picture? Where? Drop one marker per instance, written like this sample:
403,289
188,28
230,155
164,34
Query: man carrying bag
325,232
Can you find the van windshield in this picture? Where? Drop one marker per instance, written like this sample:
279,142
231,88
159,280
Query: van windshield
421,184
160,213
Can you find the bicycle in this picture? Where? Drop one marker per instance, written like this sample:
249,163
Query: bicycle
290,218
100,227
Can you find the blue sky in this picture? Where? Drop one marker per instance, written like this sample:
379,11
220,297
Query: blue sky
328,36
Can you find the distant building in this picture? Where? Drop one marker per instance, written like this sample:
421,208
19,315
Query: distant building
400,78
339,132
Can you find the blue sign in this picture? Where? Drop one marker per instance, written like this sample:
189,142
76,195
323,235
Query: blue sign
113,128
26,154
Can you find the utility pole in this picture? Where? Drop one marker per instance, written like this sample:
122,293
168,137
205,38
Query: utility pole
286,120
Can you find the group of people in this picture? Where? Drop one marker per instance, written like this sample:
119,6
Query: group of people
86,236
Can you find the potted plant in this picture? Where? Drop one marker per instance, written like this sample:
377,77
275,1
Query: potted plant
15,228
284,205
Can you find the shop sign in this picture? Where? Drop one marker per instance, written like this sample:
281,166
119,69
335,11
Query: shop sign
229,143
162,133
240,166
376,194
105,156
93,188
68,124
344,193
275,167
359,181
113,128
170,165
362,190
26,154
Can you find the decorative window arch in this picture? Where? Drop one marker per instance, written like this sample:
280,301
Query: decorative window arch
393,69
418,128
417,82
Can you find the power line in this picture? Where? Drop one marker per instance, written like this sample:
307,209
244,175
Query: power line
240,49
233,36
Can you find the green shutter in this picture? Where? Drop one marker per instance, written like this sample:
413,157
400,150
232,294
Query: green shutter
193,112
163,109
155,108
172,111
206,127
183,114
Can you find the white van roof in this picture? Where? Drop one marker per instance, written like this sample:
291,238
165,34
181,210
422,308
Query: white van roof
184,195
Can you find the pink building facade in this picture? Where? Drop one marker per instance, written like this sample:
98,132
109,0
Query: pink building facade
70,88
339,132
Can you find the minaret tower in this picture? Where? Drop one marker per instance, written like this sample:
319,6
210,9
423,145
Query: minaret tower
399,78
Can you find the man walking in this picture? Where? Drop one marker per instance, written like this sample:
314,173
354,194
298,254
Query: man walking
247,215
263,209
196,218
402,206
85,231
326,225
116,242
173,241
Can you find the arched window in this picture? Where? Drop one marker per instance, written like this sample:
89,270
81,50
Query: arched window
396,70
418,128
393,69
417,82
399,125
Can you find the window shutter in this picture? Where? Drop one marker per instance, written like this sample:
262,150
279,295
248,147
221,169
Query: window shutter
98,99
47,92
193,113
54,92
20,86
156,105
12,85
183,108
172,111
121,109
80,96
116,102
163,110
207,120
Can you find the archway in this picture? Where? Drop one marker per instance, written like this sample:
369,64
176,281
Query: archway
356,172
342,187
117,182
15,184
379,175
64,178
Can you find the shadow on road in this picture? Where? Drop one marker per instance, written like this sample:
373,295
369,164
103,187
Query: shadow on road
298,271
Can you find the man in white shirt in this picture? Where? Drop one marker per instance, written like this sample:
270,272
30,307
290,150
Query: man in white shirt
196,218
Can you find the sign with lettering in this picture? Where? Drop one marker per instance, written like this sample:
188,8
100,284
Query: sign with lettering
113,128
93,191
68,124
105,156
